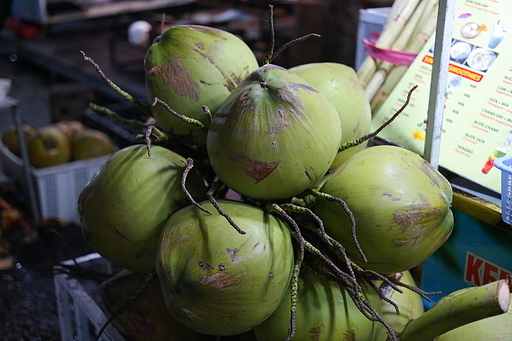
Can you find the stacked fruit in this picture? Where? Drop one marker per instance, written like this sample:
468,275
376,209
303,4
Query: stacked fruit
59,143
317,223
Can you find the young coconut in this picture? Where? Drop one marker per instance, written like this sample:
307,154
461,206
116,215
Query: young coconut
401,206
125,205
325,312
274,137
190,66
341,85
217,281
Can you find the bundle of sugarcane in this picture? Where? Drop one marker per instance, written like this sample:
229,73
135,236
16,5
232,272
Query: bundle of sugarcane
407,29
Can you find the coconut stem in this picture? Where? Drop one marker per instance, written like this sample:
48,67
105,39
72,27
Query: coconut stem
357,295
294,288
187,119
136,103
336,248
384,125
186,171
457,309
293,42
325,196
152,131
270,52
148,140
319,230
304,210
384,297
208,114
210,195
112,114
296,229
296,268
328,268
270,55
345,278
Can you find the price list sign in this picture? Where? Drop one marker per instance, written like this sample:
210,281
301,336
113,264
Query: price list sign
477,126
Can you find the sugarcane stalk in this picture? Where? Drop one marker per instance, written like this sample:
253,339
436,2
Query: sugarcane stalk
369,65
396,8
426,17
411,27
392,79
366,70
408,20
415,45
372,81
457,309
389,84
377,80
426,30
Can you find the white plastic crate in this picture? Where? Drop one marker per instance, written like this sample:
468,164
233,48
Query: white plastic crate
57,187
80,315
505,165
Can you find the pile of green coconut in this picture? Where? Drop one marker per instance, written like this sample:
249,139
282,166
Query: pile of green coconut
254,207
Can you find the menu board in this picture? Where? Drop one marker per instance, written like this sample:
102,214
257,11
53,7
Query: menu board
477,120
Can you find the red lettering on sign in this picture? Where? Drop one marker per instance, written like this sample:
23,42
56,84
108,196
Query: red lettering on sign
472,266
480,271
505,275
488,270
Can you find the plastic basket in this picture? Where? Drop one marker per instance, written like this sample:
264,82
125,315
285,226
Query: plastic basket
57,187
79,302
505,165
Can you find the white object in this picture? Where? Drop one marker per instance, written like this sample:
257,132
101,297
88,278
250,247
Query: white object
5,87
139,33
499,32
78,311
57,187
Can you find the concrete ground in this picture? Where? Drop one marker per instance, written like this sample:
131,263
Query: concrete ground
28,309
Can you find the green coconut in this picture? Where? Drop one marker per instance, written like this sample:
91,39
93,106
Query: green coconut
401,205
342,87
127,202
217,281
274,137
325,312
190,66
